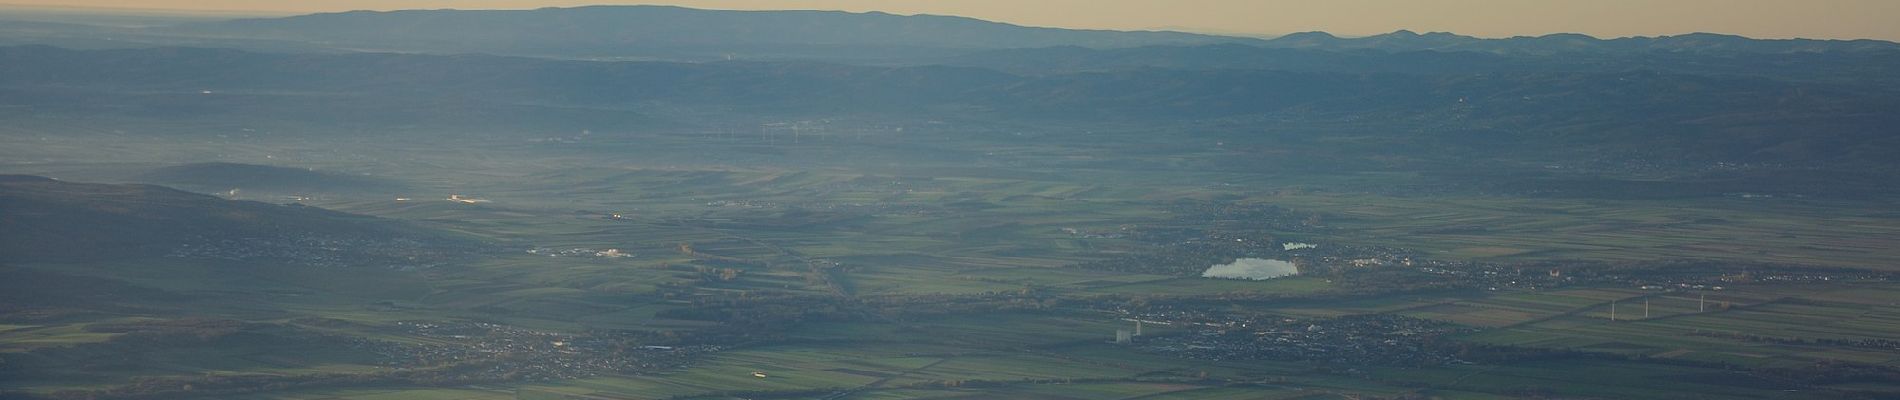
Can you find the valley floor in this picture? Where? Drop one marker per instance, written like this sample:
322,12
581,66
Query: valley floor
688,266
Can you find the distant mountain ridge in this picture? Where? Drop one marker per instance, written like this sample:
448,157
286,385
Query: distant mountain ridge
1859,69
688,34
1707,43
660,31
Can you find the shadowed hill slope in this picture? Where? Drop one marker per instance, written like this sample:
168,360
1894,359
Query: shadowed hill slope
50,220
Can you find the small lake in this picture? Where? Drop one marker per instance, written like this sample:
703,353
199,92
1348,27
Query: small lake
1252,268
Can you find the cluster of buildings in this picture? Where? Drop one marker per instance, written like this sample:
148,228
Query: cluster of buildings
579,252
1653,277
853,208
318,250
1117,233
1377,339
518,353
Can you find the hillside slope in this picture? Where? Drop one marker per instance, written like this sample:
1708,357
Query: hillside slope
43,219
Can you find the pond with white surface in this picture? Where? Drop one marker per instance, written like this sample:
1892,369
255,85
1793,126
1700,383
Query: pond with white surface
1252,269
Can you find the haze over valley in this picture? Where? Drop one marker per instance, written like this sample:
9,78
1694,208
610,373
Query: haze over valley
660,202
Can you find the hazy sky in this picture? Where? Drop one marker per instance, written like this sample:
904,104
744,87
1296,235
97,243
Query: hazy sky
1837,19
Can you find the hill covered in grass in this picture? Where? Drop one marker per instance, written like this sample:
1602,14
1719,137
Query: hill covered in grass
57,221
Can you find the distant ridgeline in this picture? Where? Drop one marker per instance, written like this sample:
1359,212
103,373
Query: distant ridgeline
664,32
1820,111
676,33
1697,99
42,219
649,32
